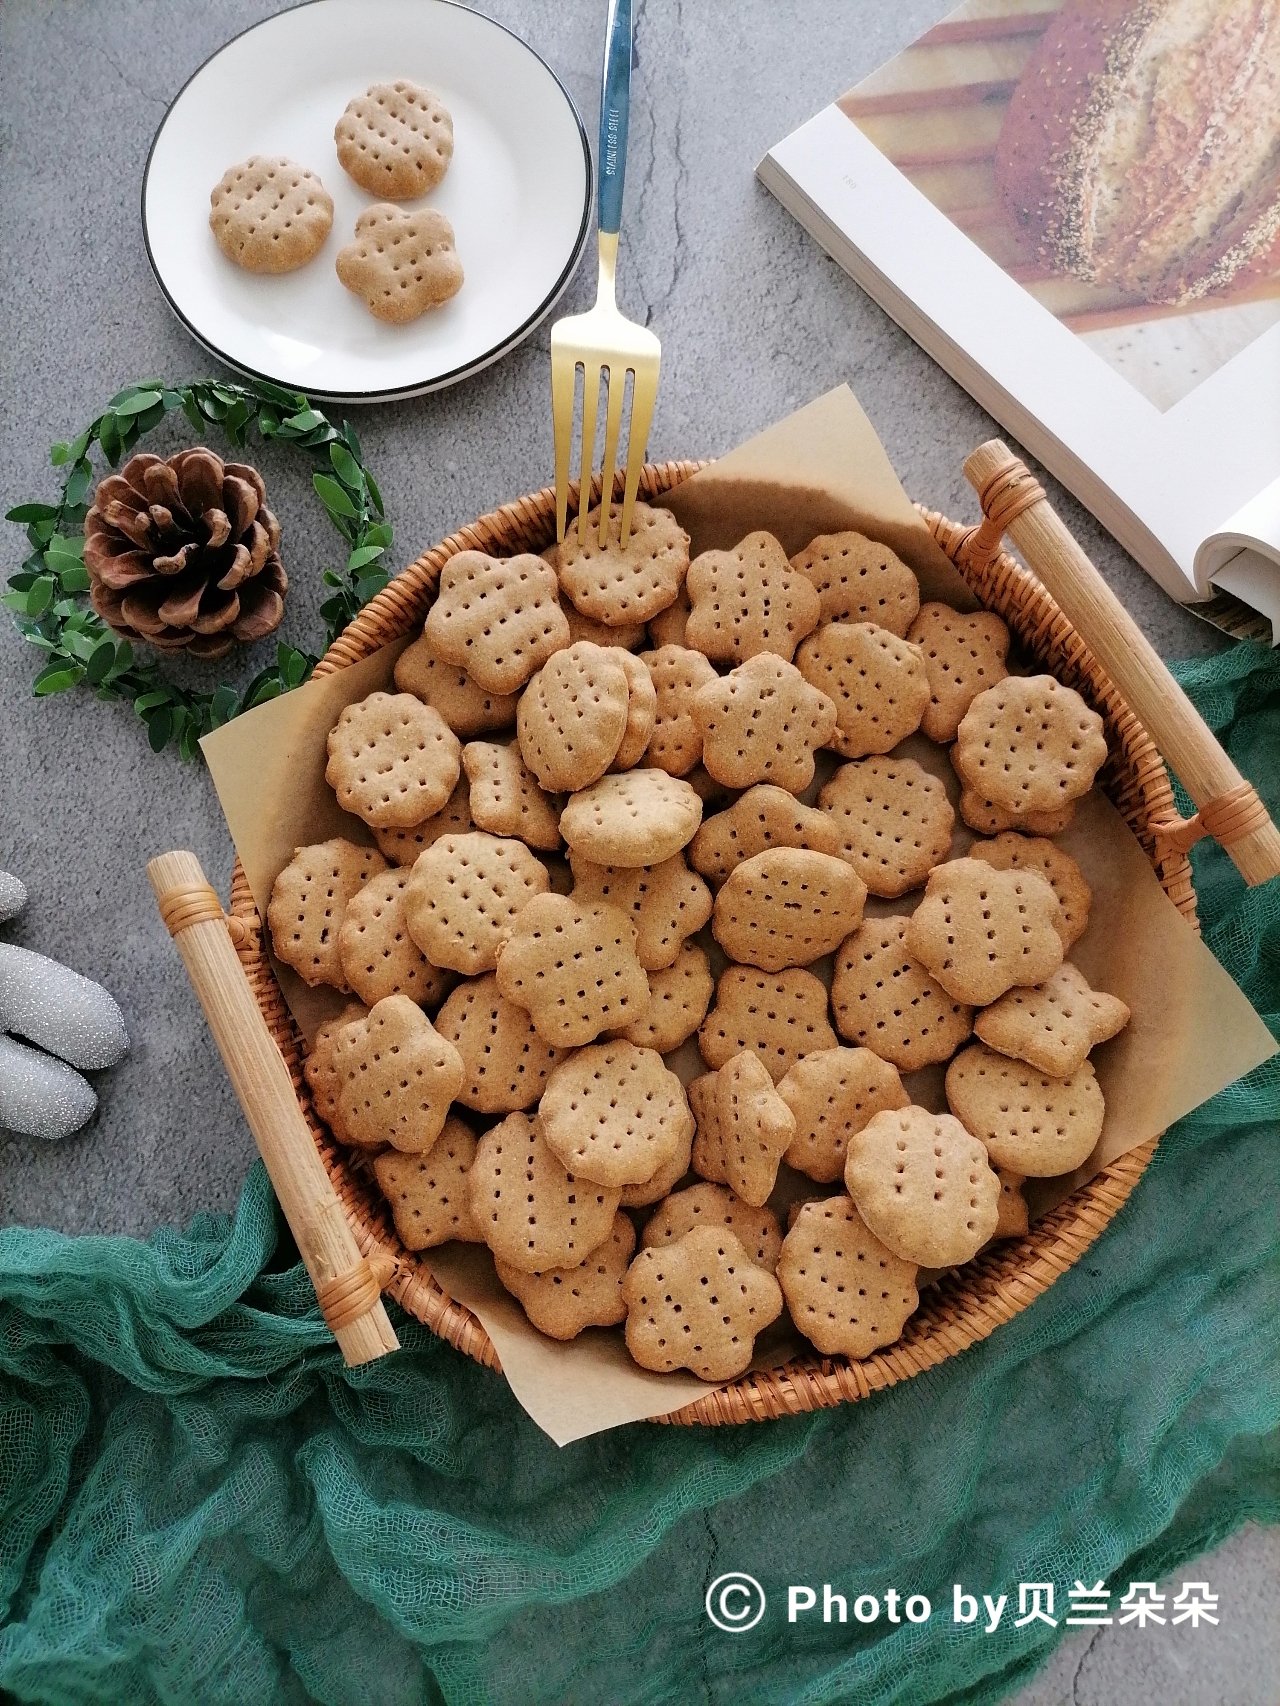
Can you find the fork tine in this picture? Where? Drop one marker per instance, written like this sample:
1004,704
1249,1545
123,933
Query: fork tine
613,426
564,379
643,397
590,400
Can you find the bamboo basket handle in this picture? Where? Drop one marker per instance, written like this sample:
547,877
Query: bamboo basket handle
1227,806
348,1286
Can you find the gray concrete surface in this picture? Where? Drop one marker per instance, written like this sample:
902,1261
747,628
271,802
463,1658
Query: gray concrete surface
754,321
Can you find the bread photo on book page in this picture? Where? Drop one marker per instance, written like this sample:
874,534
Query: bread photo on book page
1074,206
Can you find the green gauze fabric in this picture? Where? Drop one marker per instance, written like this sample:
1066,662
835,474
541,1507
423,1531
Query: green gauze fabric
197,1502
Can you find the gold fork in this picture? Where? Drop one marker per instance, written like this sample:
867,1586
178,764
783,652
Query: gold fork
603,342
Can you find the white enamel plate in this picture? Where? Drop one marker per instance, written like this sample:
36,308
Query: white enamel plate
518,194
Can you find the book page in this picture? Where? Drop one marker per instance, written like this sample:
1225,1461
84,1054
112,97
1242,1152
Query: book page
1243,558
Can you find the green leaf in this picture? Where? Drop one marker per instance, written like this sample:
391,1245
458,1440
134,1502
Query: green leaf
100,661
159,728
138,403
189,744
345,466
15,601
149,701
378,534
78,485
41,595
56,678
124,658
333,497
306,420
271,688
223,706
376,496
75,578
362,555
24,513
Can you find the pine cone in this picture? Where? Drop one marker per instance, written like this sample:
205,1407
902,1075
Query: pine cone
184,553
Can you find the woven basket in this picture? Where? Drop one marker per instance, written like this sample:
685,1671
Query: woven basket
963,1307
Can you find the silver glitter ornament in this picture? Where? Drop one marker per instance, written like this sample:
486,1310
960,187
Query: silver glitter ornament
53,1006
40,1096
13,896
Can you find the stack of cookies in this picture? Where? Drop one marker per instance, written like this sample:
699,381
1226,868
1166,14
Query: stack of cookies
620,801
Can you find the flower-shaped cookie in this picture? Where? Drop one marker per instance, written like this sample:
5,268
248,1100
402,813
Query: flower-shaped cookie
1053,1027
563,1302
401,264
781,1015
887,1002
621,584
833,1094
667,903
764,816
573,967
392,760
762,723
396,140
847,1293
505,1063
309,901
1029,744
713,1205
1014,852
615,1114
396,1077
963,655
860,580
428,1194
698,1303
379,956
749,600
876,682
679,996
893,819
980,931
499,618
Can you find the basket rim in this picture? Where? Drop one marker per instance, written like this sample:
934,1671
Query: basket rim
961,1308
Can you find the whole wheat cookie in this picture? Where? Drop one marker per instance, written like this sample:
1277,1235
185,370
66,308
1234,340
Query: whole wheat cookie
666,903
963,655
1013,852
877,683
428,1194
679,996
986,818
563,1302
505,1063
379,957
318,1069
1053,1027
705,786
270,215
402,846
499,618
860,580
505,798
623,584
395,140
979,931
464,894
532,1213
832,1095
468,708
638,817
923,1185
762,723
748,600
631,636
1029,744
677,673
573,967
764,816
886,1001
893,819
572,716
1030,1123
756,1128
667,628
781,1015
396,1077
707,1204
847,1293
615,1114
664,1181
309,901
787,907
401,264
392,760
1013,1220
698,1303
642,710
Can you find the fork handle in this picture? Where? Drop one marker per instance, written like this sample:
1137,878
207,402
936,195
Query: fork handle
615,111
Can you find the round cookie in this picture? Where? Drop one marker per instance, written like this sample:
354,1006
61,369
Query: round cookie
499,618
573,966
396,1077
465,892
786,907
428,1196
615,1114
402,846
748,600
379,957
764,816
309,901
667,628
963,655
1054,1027
532,1213
924,1186
1014,852
392,760
887,1002
987,818
666,903
622,584
833,1094
631,636
468,708
317,1068
860,580
877,683
698,1303
563,1302
1031,1124
893,819
1013,1220
664,1181
679,996
979,931
762,723
847,1293
677,673
642,708
505,1063
706,1204
781,1015
270,215
1029,744
639,817
505,799
395,140
572,717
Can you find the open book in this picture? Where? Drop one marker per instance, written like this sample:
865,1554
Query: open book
1074,206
